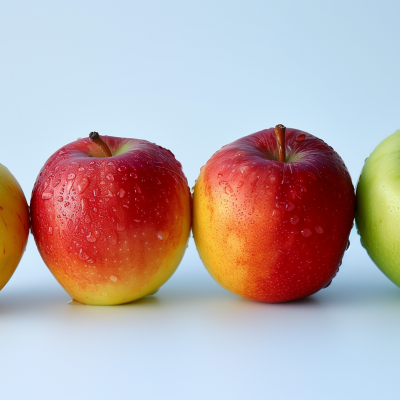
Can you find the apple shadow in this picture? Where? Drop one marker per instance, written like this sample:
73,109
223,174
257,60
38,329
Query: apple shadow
31,300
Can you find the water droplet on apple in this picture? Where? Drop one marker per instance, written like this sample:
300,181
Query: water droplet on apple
318,229
47,195
70,224
220,175
162,235
82,185
69,186
365,160
71,176
90,261
56,182
362,243
294,220
81,169
228,190
113,278
110,177
66,204
328,284
122,168
45,185
113,240
306,232
251,210
300,137
289,206
348,245
121,193
133,175
50,230
82,255
91,238
120,226
240,184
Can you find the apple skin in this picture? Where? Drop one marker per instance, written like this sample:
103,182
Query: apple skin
273,231
111,230
14,224
378,206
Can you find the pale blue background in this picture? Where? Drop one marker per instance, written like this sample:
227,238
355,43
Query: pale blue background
193,76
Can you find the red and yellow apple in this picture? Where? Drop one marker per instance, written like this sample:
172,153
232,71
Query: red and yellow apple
14,224
111,218
273,227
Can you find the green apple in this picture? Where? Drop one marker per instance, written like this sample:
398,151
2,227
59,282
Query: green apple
378,206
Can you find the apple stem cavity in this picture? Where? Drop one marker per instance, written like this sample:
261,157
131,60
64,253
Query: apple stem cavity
95,138
280,131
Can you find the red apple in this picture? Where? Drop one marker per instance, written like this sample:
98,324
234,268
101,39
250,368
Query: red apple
272,230
111,218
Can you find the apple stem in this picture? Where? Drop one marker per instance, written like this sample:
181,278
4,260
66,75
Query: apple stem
95,138
280,131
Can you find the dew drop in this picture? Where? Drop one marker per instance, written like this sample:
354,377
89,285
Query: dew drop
122,168
318,229
71,176
294,220
220,175
45,185
240,184
50,230
81,169
121,193
69,186
162,235
251,210
113,278
300,137
47,196
228,190
56,182
82,185
133,175
112,240
348,245
306,232
90,261
328,284
82,255
91,238
137,189
110,177
289,206
120,226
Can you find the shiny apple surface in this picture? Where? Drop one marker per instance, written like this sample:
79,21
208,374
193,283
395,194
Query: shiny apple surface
268,230
111,229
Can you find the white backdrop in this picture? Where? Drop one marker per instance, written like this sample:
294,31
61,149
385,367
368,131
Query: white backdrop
193,76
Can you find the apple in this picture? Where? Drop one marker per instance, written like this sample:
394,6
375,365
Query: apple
111,218
378,206
14,224
271,221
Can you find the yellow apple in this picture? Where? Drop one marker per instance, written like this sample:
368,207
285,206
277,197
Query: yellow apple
14,224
